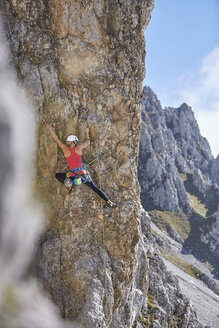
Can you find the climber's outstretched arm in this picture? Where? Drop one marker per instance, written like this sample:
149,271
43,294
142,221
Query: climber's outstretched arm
65,148
84,144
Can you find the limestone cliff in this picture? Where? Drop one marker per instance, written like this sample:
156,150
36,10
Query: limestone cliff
82,63
178,177
171,146
175,161
22,303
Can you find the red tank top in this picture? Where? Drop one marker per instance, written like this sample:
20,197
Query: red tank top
74,160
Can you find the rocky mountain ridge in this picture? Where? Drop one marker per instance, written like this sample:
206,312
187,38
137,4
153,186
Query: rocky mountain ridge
178,175
171,144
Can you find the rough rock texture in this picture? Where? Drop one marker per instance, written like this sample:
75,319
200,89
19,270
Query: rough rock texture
135,296
215,171
22,303
154,298
171,146
194,148
165,306
204,241
82,62
161,185
173,153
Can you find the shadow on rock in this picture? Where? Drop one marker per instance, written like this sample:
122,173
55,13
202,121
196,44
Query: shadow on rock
203,241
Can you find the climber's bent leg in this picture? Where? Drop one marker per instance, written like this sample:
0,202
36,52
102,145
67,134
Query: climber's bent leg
60,177
94,187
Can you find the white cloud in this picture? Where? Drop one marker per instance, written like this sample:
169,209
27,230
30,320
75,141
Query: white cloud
200,90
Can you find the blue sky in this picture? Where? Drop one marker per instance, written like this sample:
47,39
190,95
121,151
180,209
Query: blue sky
182,45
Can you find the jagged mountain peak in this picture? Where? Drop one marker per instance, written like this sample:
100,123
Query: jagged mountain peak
172,143
184,107
148,91
179,179
150,99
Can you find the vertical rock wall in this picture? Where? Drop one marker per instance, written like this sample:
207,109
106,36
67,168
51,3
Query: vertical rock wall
22,304
82,63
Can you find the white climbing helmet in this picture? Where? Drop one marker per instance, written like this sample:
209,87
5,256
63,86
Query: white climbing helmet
72,138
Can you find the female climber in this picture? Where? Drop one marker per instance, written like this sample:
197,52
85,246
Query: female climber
72,153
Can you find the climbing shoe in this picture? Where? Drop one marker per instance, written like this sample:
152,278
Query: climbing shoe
111,204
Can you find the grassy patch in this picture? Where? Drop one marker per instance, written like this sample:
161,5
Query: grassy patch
151,301
147,319
174,322
197,205
154,313
183,176
159,157
183,265
209,266
179,221
207,181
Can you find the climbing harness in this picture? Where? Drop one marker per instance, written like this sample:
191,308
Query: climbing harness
67,182
77,169
77,179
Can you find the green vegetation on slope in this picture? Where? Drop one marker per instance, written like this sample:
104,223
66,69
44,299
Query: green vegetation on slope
179,221
183,265
196,203
197,206
154,313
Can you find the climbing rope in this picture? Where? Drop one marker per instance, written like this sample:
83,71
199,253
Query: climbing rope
104,241
95,159
103,236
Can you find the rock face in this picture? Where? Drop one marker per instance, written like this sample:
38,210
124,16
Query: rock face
22,304
82,63
204,242
165,305
178,177
215,171
154,297
171,146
